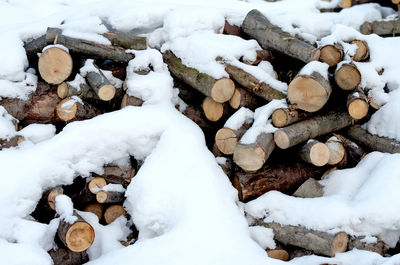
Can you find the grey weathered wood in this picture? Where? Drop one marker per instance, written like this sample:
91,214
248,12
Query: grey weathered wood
381,28
110,197
309,189
35,46
62,256
97,81
379,247
65,90
126,40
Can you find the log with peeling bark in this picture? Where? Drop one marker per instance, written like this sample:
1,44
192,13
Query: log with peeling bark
63,256
213,110
226,139
337,151
70,109
230,29
309,92
308,129
261,55
113,212
95,208
55,65
251,83
100,84
357,104
358,242
77,236
243,98
257,26
373,142
381,28
315,153
131,101
362,51
251,156
127,41
12,142
331,54
319,242
220,90
285,116
110,196
309,189
347,76
280,254
285,178
88,48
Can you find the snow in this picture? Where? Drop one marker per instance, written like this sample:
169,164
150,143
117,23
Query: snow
65,208
315,66
7,127
263,236
240,117
37,133
62,47
113,187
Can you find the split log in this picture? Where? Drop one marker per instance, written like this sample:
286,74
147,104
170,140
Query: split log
261,55
311,128
285,116
251,157
309,189
113,212
248,81
331,54
95,208
62,256
257,26
77,236
100,84
13,142
373,142
280,254
55,65
317,241
347,76
127,41
357,242
220,90
69,109
110,196
226,139
337,151
362,51
357,104
213,110
350,3
354,152
381,28
88,48
315,153
35,46
309,92
85,92
131,101
116,175
282,177
243,98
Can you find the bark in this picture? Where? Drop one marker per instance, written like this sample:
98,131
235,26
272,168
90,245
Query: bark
350,3
113,212
347,77
261,55
381,28
110,196
309,189
379,247
226,165
87,194
286,116
331,54
70,110
230,29
285,178
85,92
319,242
357,104
13,142
100,84
315,153
131,101
62,256
127,41
226,139
35,46
362,52
243,98
219,90
268,35
308,129
116,175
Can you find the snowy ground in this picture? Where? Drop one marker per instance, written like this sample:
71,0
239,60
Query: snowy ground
185,208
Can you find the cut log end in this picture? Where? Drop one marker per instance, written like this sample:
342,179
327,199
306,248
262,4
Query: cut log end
362,51
280,254
348,77
79,237
281,139
62,90
235,99
358,108
223,90
249,157
339,244
226,140
51,198
319,154
346,3
96,183
101,196
66,109
331,55
96,209
212,109
337,152
106,92
55,65
279,118
113,212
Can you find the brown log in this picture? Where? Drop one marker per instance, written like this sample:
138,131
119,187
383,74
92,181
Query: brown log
309,93
331,54
362,51
220,90
280,254
379,247
95,208
257,26
131,101
77,236
63,256
69,109
113,212
285,116
282,177
311,128
55,65
261,55
337,151
381,28
226,139
357,104
251,157
87,194
213,110
347,76
317,241
65,90
243,98
315,153
127,41
51,197
373,142
309,189
110,196
232,29
13,142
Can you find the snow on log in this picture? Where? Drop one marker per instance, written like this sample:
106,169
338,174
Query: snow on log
100,84
213,110
315,153
362,51
95,208
347,76
70,109
35,46
361,243
243,98
13,142
257,26
285,116
62,256
113,212
51,196
357,104
331,54
261,55
354,152
309,189
127,41
226,139
381,28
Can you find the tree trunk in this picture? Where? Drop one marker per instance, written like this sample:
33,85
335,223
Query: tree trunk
70,109
337,151
317,241
219,90
116,175
357,104
213,110
347,77
309,93
362,52
285,116
251,157
110,196
95,208
331,54
51,197
311,128
243,98
127,41
285,178
226,139
87,194
381,28
62,256
113,212
315,153
309,189
257,26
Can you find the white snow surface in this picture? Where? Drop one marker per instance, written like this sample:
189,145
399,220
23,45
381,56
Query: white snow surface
240,117
65,208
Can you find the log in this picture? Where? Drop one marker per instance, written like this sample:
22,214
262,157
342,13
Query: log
315,153
308,129
62,256
116,175
379,247
95,208
100,84
261,55
213,110
113,212
285,178
331,54
55,65
285,116
77,236
381,28
309,189
357,104
35,46
220,90
309,92
317,241
13,142
88,48
70,109
248,81
87,193
354,152
131,101
373,142
110,196
350,3
280,254
337,151
226,164
226,139
362,51
257,26
347,76
243,98
232,30
51,197
85,92
127,41
251,157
